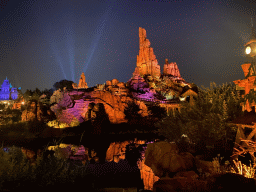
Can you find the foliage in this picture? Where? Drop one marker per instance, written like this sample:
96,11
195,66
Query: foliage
206,121
156,110
16,171
237,167
56,124
132,111
32,95
2,106
10,116
63,83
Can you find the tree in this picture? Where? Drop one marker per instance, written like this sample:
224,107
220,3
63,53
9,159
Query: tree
63,83
132,111
36,94
206,121
27,95
156,110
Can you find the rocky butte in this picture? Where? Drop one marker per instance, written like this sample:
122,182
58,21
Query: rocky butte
112,98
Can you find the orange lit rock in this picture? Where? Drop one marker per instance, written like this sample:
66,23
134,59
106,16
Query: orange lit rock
147,175
162,156
171,69
82,83
146,60
119,148
114,106
114,82
32,112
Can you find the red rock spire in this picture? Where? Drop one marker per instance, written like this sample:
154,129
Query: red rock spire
146,60
171,69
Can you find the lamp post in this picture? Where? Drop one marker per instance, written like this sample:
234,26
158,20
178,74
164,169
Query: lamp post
250,51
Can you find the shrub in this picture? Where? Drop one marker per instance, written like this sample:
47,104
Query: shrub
16,172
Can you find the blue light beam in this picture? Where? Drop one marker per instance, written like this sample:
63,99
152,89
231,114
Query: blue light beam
55,51
70,46
95,42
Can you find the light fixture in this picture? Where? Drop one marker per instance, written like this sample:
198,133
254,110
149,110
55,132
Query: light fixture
248,50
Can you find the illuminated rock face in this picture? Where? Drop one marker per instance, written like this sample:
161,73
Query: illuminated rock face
146,60
114,107
82,83
36,112
171,69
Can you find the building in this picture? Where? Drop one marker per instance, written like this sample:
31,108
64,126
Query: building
7,92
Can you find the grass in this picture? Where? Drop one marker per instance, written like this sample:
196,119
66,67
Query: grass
238,167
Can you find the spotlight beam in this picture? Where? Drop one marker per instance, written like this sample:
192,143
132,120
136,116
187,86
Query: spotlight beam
99,31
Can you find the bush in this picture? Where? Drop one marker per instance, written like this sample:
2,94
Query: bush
17,173
206,121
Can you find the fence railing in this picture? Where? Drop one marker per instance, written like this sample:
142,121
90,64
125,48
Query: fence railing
155,101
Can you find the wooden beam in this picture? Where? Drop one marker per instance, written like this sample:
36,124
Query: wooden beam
252,134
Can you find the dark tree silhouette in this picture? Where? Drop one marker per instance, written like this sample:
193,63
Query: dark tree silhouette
132,111
156,110
63,83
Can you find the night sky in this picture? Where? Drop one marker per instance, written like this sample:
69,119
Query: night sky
45,41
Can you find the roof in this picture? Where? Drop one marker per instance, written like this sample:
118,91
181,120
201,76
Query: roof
6,83
188,93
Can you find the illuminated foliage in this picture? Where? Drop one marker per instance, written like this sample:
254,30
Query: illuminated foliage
207,120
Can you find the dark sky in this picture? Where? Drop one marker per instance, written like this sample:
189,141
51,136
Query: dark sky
45,41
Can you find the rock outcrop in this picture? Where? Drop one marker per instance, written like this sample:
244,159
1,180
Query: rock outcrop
115,87
163,156
171,69
116,150
36,111
82,83
114,106
146,60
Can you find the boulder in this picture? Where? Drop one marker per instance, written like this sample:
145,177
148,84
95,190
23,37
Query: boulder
108,83
170,184
114,82
204,166
163,156
190,175
189,160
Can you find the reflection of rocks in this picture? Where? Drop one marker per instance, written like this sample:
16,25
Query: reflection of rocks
74,152
116,150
